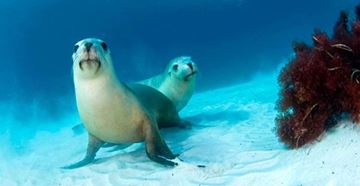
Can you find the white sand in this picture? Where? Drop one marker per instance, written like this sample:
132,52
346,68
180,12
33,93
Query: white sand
233,135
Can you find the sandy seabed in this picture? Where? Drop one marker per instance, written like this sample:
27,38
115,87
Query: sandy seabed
233,134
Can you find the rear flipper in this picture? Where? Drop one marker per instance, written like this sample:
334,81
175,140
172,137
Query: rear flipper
184,124
94,145
78,129
156,148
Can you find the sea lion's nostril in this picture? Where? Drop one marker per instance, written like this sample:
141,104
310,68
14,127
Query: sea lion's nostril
191,66
88,46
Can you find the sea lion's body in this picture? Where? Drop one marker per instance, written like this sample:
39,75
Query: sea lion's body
157,105
177,82
113,112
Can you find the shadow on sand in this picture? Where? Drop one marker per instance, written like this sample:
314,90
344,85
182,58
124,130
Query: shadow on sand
231,117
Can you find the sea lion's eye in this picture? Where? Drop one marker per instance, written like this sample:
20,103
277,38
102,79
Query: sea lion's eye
104,46
175,67
76,47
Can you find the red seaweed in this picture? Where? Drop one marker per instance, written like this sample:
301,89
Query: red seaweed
321,84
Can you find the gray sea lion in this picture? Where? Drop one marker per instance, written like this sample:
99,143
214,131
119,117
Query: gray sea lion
177,82
113,112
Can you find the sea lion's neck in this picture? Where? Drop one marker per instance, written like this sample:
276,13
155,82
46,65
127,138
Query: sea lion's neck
104,86
178,91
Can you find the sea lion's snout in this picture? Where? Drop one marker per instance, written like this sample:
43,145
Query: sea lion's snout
89,57
90,62
192,70
88,45
182,68
88,52
187,77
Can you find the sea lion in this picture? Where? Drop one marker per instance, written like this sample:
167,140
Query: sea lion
113,112
177,82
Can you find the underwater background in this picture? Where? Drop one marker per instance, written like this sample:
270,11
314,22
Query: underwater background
233,42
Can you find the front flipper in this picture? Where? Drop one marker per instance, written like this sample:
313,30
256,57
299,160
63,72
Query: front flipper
94,145
156,148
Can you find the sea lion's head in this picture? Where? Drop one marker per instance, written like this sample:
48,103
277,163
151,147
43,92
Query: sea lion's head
182,68
91,57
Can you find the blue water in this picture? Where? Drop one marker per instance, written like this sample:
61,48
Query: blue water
229,39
